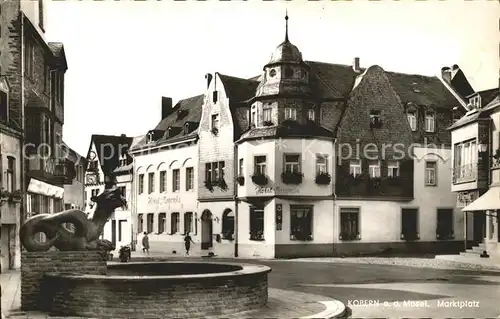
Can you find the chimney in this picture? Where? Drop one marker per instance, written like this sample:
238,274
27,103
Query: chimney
355,65
446,74
208,77
166,106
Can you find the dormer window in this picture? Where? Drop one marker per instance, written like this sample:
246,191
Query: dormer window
475,101
150,137
412,120
375,120
290,114
288,72
430,121
272,73
215,121
123,160
4,102
311,115
186,128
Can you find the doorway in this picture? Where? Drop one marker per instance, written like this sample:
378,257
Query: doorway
479,228
206,230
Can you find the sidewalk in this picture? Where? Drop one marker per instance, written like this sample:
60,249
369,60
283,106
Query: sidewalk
11,290
491,262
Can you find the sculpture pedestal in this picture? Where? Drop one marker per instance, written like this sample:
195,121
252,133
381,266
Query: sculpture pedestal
34,265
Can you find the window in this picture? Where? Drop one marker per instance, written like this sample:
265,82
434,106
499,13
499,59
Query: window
412,120
149,137
321,163
141,183
162,221
290,114
267,115
393,168
429,122
475,101
123,191
29,57
301,222
176,180
4,106
140,223
292,163
349,223
123,160
163,181
256,223
465,158
311,115
215,121
374,169
149,224
409,223
254,118
355,167
151,183
174,226
214,171
11,179
189,178
272,73
240,167
188,222
94,192
288,72
444,229
260,164
121,224
375,119
228,224
430,173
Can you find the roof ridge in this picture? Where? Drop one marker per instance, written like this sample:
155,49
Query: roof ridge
237,78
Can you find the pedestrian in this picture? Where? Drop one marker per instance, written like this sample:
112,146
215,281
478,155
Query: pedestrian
187,242
145,243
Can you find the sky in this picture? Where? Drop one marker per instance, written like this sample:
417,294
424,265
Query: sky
123,56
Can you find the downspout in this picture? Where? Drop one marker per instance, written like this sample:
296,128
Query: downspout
334,186
133,208
22,163
235,197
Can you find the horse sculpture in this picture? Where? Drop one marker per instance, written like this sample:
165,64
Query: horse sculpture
86,233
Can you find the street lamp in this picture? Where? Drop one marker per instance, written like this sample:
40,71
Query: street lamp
482,148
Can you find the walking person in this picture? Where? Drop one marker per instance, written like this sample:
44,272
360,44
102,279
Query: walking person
187,243
145,243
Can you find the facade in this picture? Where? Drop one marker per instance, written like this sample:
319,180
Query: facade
108,160
31,101
476,170
165,181
74,192
275,177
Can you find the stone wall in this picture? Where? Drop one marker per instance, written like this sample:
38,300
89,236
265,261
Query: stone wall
159,296
34,265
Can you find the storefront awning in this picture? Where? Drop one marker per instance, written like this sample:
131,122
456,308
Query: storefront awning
489,201
42,188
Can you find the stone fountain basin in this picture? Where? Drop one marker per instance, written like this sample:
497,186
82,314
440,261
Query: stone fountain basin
174,289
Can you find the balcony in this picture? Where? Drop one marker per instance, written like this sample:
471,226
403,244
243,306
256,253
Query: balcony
364,186
52,170
465,173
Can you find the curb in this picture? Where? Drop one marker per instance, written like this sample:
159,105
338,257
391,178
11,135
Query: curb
334,309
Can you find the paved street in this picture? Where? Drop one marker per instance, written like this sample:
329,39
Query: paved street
406,291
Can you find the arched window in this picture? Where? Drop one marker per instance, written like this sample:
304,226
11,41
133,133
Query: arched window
288,72
228,224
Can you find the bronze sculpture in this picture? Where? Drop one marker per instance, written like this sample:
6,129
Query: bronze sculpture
86,233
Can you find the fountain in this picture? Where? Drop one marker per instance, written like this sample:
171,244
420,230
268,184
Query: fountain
68,274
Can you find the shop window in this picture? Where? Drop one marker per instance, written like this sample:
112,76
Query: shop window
301,222
349,224
256,223
228,224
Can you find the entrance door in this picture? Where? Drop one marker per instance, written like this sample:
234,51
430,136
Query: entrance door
479,227
206,230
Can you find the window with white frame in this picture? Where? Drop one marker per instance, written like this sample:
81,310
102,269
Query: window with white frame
355,167
349,223
465,158
412,120
475,101
290,114
393,168
141,183
163,181
151,183
321,163
162,222
188,222
214,171
189,178
374,169
123,160
254,118
311,115
240,167
430,173
292,163
260,164
174,223
267,115
176,180
430,121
